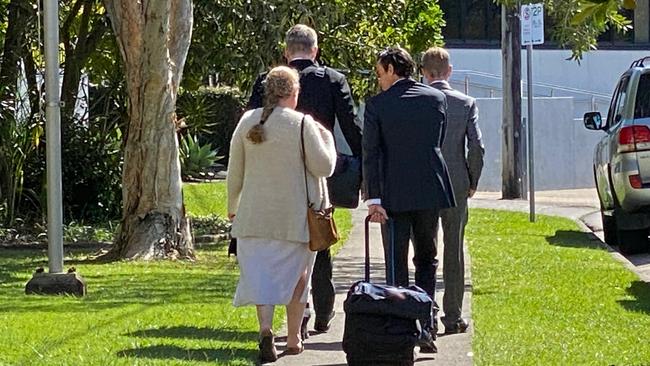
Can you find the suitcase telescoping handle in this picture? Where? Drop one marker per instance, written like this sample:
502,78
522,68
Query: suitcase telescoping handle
391,231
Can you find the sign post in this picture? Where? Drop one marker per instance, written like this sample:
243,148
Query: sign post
532,33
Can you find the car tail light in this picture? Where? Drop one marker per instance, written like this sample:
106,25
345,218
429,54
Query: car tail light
633,138
635,181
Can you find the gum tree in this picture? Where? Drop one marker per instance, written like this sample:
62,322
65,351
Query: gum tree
153,37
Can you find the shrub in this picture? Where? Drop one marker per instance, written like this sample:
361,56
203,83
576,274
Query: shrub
211,114
91,161
209,225
195,158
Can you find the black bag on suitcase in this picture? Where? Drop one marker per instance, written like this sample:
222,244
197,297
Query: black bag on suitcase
380,320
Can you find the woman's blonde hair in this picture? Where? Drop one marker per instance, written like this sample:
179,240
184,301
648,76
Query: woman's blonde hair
280,83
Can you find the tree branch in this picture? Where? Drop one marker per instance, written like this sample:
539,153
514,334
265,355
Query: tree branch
180,30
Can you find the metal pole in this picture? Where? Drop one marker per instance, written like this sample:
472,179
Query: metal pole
466,84
531,160
53,136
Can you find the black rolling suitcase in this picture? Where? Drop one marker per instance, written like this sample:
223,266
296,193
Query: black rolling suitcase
380,320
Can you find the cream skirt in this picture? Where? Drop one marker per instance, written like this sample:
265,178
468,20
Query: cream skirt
269,270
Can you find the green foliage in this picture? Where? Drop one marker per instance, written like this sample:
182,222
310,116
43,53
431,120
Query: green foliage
195,158
578,23
92,172
238,39
211,114
19,140
212,224
546,293
75,232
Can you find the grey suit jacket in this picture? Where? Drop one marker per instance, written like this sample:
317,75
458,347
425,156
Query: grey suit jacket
462,148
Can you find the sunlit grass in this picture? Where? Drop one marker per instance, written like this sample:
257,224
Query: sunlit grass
545,293
135,313
153,313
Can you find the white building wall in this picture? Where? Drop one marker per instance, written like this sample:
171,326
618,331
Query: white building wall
598,71
563,147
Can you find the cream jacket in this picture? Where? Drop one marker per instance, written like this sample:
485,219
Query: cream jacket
266,182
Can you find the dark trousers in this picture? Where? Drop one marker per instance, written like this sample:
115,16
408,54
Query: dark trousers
421,227
322,286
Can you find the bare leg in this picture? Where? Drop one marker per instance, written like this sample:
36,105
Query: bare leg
265,318
295,311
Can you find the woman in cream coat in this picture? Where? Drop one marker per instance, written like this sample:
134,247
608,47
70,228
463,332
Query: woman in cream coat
268,205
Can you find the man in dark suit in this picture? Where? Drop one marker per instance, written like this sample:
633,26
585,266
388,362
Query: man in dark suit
405,174
326,96
463,152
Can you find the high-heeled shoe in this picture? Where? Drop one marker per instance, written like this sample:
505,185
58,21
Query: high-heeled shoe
268,352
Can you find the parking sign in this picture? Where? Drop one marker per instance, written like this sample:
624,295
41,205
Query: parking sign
532,24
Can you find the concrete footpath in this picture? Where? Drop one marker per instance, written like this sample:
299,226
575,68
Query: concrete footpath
453,350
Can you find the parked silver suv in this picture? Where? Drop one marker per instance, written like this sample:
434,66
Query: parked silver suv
622,160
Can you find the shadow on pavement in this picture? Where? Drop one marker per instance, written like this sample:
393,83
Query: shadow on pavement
639,259
352,269
574,239
641,304
324,346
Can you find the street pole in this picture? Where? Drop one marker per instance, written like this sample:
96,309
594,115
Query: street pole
512,154
531,160
53,136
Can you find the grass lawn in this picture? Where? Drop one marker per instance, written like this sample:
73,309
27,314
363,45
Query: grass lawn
158,313
202,199
546,294
135,313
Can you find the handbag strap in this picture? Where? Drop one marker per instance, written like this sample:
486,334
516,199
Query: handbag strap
304,163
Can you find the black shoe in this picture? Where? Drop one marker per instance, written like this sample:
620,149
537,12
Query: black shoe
304,333
426,342
459,326
322,325
268,353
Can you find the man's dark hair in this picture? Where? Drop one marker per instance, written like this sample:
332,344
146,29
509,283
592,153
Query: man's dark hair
402,62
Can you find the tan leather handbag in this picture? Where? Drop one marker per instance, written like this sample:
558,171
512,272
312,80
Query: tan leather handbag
322,228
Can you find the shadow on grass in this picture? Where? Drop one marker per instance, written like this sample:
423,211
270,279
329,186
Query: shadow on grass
116,290
15,262
641,303
190,332
574,239
197,354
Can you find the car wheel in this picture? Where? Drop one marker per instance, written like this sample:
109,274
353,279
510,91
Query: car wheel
633,241
609,229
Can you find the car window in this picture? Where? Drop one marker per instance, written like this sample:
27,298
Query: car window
612,107
642,102
620,100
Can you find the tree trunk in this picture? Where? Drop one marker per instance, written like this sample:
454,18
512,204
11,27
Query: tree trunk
92,27
512,183
153,37
17,22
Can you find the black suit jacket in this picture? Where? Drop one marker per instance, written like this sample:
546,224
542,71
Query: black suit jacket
403,131
326,97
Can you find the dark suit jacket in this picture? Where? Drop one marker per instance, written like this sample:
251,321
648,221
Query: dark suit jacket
326,97
404,128
463,149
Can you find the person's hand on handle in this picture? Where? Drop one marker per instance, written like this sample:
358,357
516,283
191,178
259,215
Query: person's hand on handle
377,214
231,216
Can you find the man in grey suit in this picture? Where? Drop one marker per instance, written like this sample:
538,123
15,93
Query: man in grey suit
463,152
405,173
